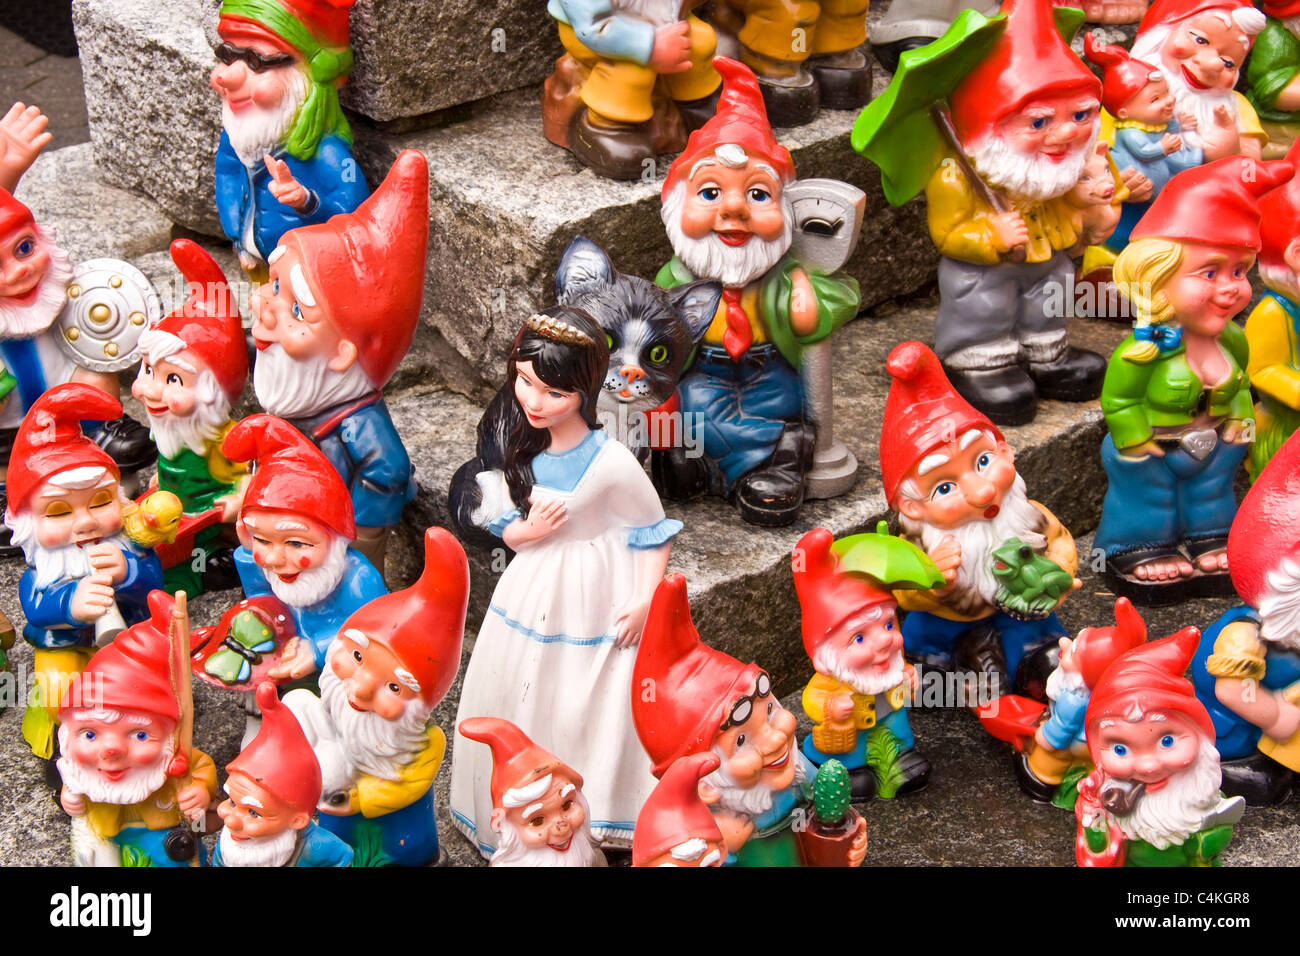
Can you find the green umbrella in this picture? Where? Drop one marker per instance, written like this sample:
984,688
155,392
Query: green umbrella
901,131
889,560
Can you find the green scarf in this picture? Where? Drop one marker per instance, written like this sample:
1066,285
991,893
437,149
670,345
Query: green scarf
320,115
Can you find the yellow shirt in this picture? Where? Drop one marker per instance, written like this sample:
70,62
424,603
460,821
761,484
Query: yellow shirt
159,811
1274,355
960,227
375,796
749,303
823,687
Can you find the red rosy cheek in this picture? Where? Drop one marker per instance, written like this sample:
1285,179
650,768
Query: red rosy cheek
304,563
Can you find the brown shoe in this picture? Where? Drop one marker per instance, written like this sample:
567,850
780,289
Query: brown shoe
616,152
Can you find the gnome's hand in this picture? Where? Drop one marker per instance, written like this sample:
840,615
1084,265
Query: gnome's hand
74,804
193,800
22,137
671,52
283,186
297,659
947,558
803,303
1139,186
92,598
1188,121
108,559
858,848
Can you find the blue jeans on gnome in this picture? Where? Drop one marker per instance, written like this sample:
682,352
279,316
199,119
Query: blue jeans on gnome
1158,502
743,405
927,634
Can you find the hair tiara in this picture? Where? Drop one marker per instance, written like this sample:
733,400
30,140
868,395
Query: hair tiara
557,330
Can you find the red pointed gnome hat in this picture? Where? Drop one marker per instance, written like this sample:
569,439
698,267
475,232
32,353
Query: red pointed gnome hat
291,473
50,441
367,267
1096,647
1215,204
1123,76
1149,678
1030,60
691,686
325,22
517,762
674,812
1262,532
827,595
13,214
1280,216
423,625
209,323
279,757
741,119
134,672
1163,13
922,412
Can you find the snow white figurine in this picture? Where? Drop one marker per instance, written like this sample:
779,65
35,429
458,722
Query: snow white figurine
557,646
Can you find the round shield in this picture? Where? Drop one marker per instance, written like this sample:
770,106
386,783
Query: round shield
110,304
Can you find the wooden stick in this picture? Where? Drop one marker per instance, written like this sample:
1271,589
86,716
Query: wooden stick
178,633
943,121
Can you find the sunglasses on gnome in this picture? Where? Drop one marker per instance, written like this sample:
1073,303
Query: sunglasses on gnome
228,53
744,708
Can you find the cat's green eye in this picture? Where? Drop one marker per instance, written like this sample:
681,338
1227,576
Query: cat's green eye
609,340
659,354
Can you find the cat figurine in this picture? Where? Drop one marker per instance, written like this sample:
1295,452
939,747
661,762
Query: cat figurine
651,334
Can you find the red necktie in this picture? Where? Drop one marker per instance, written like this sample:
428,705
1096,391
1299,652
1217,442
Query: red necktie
739,335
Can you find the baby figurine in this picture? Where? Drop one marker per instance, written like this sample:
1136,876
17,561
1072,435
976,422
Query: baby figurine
1147,136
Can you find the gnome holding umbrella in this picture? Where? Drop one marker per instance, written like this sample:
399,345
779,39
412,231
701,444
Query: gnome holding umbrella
995,121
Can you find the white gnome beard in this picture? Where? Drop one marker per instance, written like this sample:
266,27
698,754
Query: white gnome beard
138,784
830,661
52,565
1175,811
755,800
1200,103
1279,605
315,584
256,130
197,430
23,321
1061,681
711,258
275,850
1017,517
512,851
298,388
372,744
1025,176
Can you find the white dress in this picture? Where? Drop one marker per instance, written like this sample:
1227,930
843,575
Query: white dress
545,657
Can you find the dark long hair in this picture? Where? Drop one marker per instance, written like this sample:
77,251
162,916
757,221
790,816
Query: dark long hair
506,441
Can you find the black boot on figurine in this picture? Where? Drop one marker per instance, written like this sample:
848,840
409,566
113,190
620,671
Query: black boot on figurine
695,113
1007,395
1073,377
843,79
772,493
1259,779
979,652
679,475
1034,669
915,770
862,785
127,442
1030,783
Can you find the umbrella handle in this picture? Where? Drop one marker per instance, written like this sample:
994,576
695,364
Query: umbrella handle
943,121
